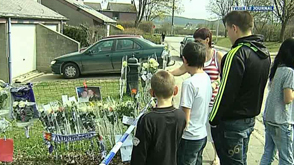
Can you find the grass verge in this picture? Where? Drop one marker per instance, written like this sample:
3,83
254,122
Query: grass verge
225,42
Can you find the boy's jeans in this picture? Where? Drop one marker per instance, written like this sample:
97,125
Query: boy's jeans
278,137
190,152
231,140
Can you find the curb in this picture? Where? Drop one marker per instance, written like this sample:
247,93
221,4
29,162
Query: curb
27,78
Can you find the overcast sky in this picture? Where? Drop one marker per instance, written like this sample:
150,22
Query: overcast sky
192,8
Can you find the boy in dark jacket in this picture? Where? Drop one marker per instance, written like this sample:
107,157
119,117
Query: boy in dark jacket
159,132
245,70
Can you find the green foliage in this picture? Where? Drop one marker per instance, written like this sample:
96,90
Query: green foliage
77,33
153,38
86,35
183,31
126,24
225,42
129,26
134,31
146,26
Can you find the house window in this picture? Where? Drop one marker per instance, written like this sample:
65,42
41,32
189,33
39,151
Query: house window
115,16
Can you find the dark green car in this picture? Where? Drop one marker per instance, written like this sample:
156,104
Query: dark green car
106,55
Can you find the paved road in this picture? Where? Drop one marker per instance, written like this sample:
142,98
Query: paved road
257,139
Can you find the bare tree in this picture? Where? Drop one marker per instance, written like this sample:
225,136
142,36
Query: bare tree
220,8
160,8
284,10
261,19
141,11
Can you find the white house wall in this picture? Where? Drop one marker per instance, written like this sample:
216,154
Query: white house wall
52,27
23,48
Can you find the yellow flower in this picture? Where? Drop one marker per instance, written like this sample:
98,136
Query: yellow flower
120,27
125,64
152,60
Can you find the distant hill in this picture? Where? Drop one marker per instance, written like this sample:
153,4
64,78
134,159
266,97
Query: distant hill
182,21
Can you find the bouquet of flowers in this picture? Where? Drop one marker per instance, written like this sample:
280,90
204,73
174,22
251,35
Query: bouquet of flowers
23,111
151,66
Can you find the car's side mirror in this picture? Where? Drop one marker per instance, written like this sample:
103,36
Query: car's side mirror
182,42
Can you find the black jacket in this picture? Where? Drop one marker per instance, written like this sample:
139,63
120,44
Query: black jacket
157,137
245,70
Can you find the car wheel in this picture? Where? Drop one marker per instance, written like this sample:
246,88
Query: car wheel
70,70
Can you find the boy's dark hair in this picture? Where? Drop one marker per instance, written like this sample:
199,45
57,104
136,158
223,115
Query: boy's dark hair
195,54
203,33
242,19
162,84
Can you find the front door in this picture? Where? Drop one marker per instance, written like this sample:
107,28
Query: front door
98,58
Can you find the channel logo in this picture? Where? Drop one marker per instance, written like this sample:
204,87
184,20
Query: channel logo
253,8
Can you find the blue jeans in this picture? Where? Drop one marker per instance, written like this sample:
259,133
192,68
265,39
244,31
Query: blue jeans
190,152
278,137
231,140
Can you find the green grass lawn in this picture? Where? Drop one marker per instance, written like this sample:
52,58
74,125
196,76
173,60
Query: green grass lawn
46,92
33,150
225,42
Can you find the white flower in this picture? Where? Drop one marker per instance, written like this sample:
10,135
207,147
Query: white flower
153,63
105,106
99,104
68,103
89,108
145,65
22,104
156,64
152,60
83,109
15,104
48,111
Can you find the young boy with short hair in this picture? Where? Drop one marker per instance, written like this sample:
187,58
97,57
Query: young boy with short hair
195,98
159,132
